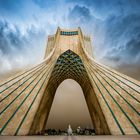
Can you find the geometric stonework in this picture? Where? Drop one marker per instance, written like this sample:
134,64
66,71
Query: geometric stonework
113,99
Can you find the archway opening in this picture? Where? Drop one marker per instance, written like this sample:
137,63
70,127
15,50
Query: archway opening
69,107
69,65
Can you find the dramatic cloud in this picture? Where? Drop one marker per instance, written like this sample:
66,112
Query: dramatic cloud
122,35
81,13
18,50
114,26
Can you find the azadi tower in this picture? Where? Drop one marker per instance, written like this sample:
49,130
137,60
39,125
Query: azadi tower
113,99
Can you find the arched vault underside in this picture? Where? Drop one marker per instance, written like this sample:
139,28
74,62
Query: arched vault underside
70,65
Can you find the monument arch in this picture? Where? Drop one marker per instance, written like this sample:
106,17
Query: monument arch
113,98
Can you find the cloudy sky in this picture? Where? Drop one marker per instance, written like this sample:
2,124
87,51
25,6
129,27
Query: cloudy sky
114,26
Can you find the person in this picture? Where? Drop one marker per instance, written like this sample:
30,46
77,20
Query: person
69,130
78,130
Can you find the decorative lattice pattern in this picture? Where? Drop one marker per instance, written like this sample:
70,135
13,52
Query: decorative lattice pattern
69,65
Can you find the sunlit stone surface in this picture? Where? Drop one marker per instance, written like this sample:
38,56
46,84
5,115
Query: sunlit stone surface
113,98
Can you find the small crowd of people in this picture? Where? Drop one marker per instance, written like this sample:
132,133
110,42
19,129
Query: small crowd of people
69,131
